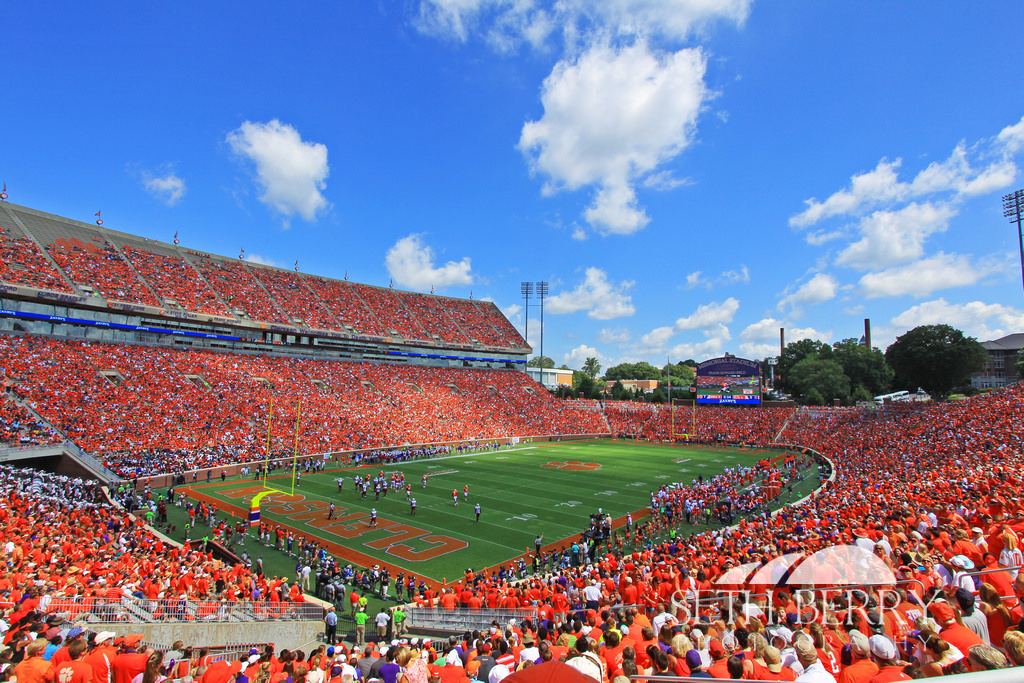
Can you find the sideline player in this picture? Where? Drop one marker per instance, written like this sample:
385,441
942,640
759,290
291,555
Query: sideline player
465,492
373,517
476,511
412,507
455,497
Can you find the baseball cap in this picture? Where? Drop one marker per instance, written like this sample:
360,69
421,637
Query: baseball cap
104,635
773,659
693,660
942,613
860,643
883,648
805,648
715,648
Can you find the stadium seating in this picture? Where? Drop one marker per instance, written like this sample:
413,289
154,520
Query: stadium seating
21,263
173,279
96,265
18,427
133,270
152,409
652,421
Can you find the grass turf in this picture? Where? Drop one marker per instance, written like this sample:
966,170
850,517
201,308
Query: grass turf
529,490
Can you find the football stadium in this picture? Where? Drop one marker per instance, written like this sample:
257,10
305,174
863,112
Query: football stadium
219,468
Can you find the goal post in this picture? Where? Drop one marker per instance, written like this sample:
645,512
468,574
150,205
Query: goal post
683,418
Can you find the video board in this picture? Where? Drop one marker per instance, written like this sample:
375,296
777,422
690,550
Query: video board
729,380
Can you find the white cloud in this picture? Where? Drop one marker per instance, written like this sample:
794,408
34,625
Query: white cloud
597,295
663,181
1011,138
709,315
617,335
713,344
290,171
410,262
975,318
889,237
694,279
978,169
168,188
740,276
877,185
819,289
263,260
579,354
816,239
612,116
658,337
921,278
506,24
579,234
761,339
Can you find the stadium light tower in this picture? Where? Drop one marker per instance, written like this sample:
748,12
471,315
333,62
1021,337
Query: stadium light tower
527,290
542,293
1013,208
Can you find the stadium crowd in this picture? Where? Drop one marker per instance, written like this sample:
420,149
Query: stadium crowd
147,410
661,422
155,275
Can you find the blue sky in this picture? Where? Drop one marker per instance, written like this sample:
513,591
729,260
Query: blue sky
687,175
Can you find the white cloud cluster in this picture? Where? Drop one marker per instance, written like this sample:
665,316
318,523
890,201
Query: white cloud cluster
410,262
819,289
711,322
889,237
735,276
924,276
976,318
957,176
507,24
895,218
611,116
761,339
291,172
169,188
579,354
613,335
601,298
707,315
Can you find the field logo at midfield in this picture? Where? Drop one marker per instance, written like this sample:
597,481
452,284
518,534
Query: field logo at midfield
851,573
572,465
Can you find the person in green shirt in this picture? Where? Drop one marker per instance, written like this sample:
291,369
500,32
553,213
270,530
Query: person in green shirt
398,619
361,618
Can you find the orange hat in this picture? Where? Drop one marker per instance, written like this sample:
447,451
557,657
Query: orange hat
132,640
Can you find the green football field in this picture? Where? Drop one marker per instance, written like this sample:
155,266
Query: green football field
543,488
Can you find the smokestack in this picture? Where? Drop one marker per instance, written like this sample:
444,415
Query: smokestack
867,333
782,340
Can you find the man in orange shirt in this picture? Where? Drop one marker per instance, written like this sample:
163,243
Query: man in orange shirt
130,663
75,670
34,669
101,659
862,669
719,660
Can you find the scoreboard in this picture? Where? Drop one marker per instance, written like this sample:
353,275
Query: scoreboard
729,380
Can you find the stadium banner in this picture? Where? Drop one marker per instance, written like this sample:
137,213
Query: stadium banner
729,380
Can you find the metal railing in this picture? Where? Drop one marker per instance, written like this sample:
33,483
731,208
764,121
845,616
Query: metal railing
143,611
463,619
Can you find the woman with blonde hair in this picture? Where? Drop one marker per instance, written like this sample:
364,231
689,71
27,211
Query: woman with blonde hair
414,668
1011,555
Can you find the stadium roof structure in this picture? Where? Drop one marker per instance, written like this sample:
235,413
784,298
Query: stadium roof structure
60,260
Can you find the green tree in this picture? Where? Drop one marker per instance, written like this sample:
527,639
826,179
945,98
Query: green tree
592,367
819,380
584,384
793,354
936,358
619,392
641,370
867,368
541,362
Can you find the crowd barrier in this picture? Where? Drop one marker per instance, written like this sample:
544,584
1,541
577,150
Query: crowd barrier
140,610
461,620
